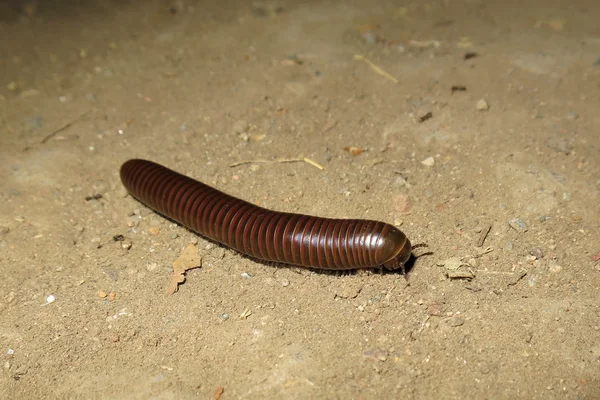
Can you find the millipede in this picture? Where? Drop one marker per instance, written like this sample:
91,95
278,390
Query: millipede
290,238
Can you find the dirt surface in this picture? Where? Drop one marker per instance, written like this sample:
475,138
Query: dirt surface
199,86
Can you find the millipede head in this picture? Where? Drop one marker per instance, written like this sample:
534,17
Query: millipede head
397,249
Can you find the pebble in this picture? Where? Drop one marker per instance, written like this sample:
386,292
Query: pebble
22,370
348,290
572,115
240,126
218,253
35,122
482,105
376,354
555,268
452,263
126,245
122,192
456,321
102,294
285,282
400,181
224,316
401,204
537,253
428,162
154,230
246,275
484,368
370,37
194,240
518,225
561,145
50,299
434,310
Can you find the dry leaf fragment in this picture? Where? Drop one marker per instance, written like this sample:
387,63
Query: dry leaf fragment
329,125
466,274
453,263
188,259
218,393
245,314
354,150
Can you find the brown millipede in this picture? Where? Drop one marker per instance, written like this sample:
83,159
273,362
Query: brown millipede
303,240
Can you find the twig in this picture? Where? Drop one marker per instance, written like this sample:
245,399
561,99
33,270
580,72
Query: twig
62,128
313,163
484,233
485,271
521,275
375,68
480,254
282,160
423,324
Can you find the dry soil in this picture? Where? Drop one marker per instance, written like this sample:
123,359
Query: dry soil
446,118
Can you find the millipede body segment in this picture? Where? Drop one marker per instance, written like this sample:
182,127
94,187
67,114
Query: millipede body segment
303,240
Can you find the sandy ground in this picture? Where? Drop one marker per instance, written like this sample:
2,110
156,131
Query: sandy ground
199,86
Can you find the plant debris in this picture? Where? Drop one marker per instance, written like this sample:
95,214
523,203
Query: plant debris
426,117
218,393
188,259
96,196
282,160
484,232
375,67
352,150
458,88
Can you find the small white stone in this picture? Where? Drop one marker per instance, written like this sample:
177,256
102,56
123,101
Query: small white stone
555,268
428,162
50,299
482,105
